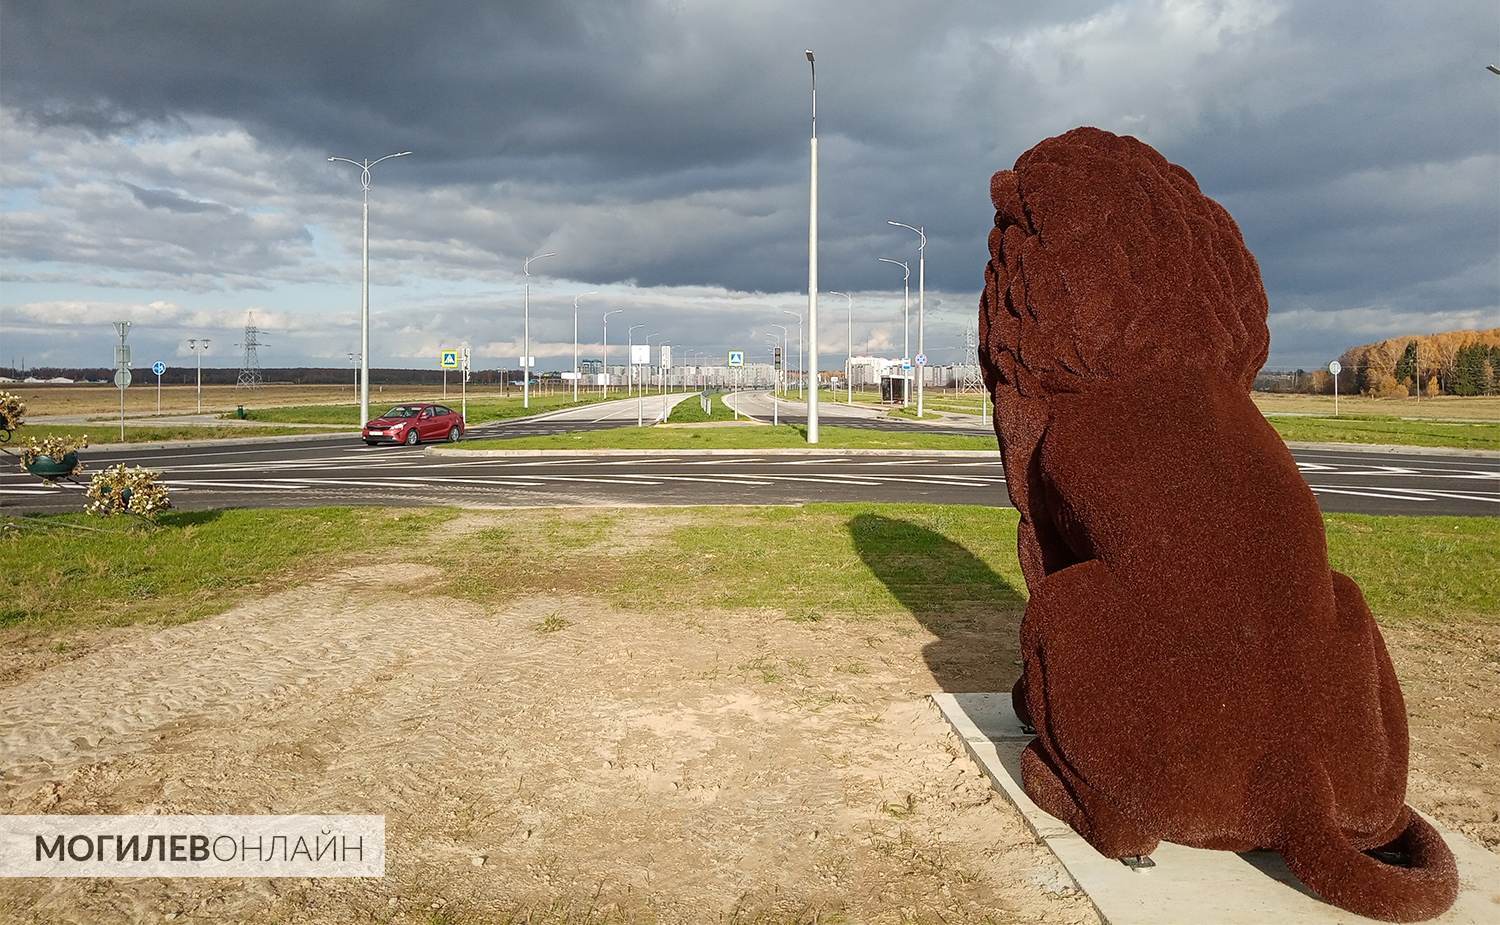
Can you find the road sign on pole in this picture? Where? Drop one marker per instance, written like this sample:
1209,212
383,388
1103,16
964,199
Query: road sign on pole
448,359
158,367
736,358
640,354
1334,369
921,359
122,378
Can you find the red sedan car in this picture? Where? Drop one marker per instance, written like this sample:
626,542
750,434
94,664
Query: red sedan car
411,424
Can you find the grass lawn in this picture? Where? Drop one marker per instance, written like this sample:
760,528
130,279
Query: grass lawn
784,436
862,560
691,411
1470,435
481,410
192,565
151,433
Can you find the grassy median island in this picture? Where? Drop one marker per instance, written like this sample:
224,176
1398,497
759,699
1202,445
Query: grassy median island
104,432
58,577
482,409
766,437
1468,435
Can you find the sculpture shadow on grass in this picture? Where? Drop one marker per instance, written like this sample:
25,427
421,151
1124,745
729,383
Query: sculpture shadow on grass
974,612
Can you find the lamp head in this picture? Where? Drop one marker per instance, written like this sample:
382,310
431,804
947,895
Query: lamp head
809,54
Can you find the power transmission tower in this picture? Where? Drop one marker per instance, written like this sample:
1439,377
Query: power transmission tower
250,377
969,380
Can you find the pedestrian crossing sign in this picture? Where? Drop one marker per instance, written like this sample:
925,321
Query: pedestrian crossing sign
736,358
448,359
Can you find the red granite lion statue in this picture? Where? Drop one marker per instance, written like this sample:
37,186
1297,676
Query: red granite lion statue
1193,668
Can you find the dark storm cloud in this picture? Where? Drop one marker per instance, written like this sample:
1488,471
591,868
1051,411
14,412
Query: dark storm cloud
166,199
665,143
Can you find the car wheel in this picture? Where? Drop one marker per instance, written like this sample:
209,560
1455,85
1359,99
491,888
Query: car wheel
453,434
411,437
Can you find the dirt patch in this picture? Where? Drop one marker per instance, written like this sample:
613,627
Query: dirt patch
624,767
603,764
1450,676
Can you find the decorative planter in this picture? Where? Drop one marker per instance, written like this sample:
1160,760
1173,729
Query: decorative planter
45,467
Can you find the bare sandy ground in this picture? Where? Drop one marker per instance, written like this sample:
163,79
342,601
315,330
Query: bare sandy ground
604,766
684,768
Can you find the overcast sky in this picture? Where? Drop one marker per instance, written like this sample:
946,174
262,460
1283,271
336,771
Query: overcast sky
165,163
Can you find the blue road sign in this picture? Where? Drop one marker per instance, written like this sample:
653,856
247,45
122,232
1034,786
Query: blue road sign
158,367
921,359
736,358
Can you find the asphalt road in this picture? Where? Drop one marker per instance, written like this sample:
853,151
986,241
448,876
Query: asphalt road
340,469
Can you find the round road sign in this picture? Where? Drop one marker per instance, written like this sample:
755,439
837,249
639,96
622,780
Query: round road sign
122,378
921,359
158,367
1335,367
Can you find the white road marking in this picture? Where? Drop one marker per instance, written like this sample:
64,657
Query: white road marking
1365,494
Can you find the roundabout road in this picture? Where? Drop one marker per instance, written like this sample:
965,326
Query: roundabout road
339,469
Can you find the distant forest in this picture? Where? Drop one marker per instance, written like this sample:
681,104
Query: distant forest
1448,363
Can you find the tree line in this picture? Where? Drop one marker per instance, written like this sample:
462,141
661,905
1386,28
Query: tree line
1447,363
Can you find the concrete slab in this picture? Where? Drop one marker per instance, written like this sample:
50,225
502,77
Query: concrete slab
1188,886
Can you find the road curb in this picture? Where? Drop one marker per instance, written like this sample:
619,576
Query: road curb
778,451
1393,449
222,441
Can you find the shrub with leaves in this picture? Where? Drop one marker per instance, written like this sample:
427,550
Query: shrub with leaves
55,448
121,490
12,411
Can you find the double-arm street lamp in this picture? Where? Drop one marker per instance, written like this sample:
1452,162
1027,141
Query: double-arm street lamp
613,311
575,340
526,330
193,343
364,307
906,323
921,302
849,358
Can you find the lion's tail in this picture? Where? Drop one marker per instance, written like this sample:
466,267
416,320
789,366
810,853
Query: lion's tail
1422,886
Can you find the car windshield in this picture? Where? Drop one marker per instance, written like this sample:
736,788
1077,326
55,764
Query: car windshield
403,411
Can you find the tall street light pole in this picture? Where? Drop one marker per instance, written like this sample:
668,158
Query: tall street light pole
849,358
193,345
801,374
615,311
906,323
781,373
630,356
812,255
575,340
921,301
526,330
364,303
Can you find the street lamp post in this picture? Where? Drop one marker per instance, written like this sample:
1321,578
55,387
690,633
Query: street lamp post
354,358
575,340
812,254
781,373
193,343
526,330
615,311
921,301
906,324
364,303
649,338
849,358
630,356
801,369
